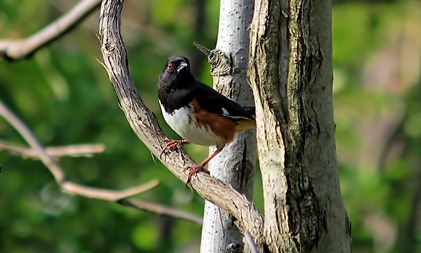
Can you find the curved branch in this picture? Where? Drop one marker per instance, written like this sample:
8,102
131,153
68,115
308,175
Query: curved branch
146,127
12,50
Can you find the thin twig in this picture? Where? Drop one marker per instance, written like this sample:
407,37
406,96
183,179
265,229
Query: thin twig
160,209
86,150
58,173
95,193
33,142
18,49
86,191
202,48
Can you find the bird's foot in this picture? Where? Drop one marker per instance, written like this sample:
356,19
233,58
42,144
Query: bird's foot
193,170
172,144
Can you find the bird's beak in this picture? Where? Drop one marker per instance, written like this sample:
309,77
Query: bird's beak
181,66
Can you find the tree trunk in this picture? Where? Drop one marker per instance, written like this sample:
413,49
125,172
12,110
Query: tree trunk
290,71
235,164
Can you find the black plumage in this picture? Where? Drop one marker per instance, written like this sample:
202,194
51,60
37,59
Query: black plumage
177,89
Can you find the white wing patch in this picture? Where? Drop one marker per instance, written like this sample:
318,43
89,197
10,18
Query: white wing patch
226,113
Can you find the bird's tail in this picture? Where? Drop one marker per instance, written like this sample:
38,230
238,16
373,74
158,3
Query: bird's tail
243,125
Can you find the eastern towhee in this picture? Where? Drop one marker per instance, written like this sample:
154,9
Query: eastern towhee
196,112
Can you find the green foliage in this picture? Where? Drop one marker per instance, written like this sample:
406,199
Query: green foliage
64,96
377,118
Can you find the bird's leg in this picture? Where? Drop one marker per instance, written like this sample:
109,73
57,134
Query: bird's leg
200,167
172,144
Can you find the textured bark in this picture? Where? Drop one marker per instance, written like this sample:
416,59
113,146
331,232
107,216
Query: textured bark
290,72
236,163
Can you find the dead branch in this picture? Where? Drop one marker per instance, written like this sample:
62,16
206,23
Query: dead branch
86,191
103,194
85,150
57,171
146,127
13,50
160,209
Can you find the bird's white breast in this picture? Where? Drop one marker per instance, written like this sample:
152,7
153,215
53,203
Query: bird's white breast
183,122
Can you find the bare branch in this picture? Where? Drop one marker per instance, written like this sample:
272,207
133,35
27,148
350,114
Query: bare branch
202,48
86,150
160,209
95,193
86,191
33,142
18,49
146,127
57,172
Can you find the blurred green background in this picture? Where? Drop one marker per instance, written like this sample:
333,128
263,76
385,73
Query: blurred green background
64,95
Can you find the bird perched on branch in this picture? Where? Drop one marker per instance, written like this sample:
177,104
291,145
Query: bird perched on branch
196,112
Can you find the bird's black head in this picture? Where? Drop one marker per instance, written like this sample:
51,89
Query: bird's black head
176,72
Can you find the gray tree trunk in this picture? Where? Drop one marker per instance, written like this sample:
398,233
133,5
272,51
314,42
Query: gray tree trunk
290,71
236,163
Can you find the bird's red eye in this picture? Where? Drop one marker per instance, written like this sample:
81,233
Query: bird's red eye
170,66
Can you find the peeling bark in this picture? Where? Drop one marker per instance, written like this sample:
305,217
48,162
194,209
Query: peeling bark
291,77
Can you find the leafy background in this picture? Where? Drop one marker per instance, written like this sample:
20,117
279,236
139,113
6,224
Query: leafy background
64,96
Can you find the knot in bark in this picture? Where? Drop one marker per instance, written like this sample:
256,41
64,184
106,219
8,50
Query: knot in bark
221,63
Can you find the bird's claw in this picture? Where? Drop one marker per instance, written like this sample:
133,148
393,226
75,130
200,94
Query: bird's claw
172,144
193,171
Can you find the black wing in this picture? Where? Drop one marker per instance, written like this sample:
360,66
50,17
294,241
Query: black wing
212,101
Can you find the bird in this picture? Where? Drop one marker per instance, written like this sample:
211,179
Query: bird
198,113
